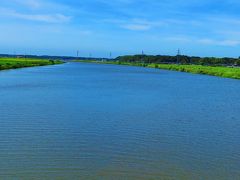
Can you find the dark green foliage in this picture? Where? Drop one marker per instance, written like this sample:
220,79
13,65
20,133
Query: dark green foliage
210,61
238,62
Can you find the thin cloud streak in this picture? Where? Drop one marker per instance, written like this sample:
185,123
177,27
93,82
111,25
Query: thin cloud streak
204,41
49,18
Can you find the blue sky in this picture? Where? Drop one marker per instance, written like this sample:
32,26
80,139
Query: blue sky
61,27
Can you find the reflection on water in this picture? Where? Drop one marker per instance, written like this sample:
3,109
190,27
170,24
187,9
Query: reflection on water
87,121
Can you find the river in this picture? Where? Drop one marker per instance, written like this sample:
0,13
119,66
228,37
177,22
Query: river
95,121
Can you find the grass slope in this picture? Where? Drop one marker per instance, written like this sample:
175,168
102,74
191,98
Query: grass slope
14,63
226,72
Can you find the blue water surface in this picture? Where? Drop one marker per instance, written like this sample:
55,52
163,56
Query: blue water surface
95,121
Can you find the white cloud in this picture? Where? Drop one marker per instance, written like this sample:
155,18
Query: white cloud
179,39
33,4
205,41
219,42
135,24
49,18
38,4
136,27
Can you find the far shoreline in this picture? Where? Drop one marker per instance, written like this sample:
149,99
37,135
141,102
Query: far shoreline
219,71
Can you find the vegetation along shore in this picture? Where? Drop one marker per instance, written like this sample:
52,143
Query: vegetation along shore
222,67
14,63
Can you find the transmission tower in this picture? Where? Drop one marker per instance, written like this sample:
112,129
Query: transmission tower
110,55
178,56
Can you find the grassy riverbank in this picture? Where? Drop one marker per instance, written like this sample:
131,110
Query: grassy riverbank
14,63
226,72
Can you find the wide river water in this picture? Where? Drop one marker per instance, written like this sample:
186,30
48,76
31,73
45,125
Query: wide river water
89,121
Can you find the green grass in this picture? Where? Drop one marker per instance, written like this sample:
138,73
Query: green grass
14,63
226,72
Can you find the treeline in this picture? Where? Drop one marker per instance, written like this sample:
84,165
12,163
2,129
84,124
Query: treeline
160,59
